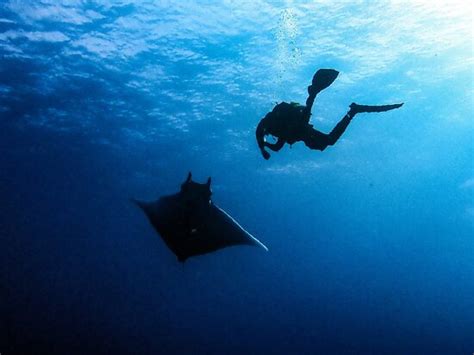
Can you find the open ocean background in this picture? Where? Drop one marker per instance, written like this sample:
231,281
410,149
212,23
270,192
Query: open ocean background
371,242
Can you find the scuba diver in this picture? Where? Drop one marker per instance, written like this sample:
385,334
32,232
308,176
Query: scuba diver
289,122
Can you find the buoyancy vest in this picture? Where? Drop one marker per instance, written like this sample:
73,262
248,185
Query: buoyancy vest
286,121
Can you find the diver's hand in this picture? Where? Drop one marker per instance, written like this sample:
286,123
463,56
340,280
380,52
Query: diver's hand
265,154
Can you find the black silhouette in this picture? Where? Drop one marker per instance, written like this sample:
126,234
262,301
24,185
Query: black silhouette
289,122
191,224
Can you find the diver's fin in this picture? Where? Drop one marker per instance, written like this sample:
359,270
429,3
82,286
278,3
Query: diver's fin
323,78
373,108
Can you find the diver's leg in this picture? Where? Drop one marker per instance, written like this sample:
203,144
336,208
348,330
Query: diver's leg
340,128
309,104
315,139
337,131
321,80
318,140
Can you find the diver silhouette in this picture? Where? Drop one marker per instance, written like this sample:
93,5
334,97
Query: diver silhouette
289,122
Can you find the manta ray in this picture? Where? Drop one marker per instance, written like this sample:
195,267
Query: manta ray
191,224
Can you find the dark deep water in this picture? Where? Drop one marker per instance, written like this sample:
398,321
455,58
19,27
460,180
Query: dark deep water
371,247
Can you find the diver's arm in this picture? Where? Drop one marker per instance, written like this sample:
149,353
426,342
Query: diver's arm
260,134
276,146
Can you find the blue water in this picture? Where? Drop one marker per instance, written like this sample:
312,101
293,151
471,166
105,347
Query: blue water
371,242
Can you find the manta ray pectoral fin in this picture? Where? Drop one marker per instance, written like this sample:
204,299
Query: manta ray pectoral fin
235,233
139,203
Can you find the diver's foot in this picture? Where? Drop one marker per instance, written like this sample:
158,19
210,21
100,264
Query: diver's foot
356,108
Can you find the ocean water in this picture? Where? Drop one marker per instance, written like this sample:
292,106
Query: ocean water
371,242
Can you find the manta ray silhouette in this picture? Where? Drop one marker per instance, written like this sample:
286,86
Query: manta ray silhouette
191,224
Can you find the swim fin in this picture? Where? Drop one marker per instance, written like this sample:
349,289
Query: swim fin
323,78
373,108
